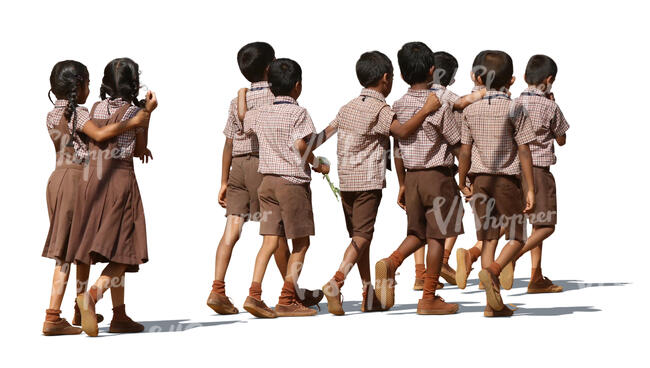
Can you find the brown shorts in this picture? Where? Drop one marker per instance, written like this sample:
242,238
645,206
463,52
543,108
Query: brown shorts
545,212
434,207
286,208
360,210
497,202
243,182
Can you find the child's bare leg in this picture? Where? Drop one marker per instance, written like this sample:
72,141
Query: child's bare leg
419,256
111,275
269,246
59,282
83,273
488,249
357,248
536,257
296,259
231,234
538,235
449,244
281,256
509,252
363,264
117,290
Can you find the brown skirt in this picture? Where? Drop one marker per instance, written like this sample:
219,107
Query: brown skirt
61,197
110,225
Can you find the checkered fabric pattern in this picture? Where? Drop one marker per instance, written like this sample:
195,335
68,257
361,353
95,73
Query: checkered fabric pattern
83,116
495,126
547,121
363,128
259,94
126,140
278,126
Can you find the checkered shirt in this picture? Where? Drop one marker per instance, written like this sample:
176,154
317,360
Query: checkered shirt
495,126
547,121
278,126
126,140
258,95
83,115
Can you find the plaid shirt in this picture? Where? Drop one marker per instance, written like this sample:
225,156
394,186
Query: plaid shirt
126,140
547,121
429,146
495,126
83,116
278,127
363,127
258,95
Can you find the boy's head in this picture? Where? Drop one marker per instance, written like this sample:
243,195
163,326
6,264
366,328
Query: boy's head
415,61
494,70
477,66
446,66
254,60
540,72
374,69
285,77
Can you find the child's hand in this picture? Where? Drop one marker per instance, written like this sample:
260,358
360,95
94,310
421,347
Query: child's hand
530,201
241,103
431,104
222,195
467,192
477,95
151,102
550,96
401,197
322,168
146,156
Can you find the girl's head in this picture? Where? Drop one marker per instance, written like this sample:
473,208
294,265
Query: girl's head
121,80
69,81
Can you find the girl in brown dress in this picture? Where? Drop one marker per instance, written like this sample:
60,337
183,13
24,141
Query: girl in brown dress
111,225
69,130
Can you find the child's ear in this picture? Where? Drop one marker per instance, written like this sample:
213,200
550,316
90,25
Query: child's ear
451,82
472,76
512,81
431,71
549,80
479,79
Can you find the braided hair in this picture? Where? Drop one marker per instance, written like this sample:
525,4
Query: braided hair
121,80
65,80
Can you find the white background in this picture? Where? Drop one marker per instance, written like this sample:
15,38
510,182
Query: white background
187,51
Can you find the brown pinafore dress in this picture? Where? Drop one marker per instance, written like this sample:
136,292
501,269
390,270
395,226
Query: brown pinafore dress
61,195
111,222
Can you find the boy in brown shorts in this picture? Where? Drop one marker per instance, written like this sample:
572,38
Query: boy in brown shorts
495,135
283,130
549,125
240,178
428,191
364,126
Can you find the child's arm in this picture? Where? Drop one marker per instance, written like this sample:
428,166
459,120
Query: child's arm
141,150
226,161
317,140
467,100
404,130
527,168
305,151
464,163
401,176
241,104
140,120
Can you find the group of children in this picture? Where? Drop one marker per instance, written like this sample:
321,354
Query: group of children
93,199
503,147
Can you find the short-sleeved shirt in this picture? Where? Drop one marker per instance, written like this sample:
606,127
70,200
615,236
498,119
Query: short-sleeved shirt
495,126
242,144
548,123
363,128
278,126
126,140
430,145
83,116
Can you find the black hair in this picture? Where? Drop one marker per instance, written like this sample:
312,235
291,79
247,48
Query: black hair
415,59
121,80
539,68
253,59
66,78
494,67
446,67
283,76
371,67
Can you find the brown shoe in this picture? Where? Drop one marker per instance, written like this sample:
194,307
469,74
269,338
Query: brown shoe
221,304
418,285
464,265
505,312
436,306
492,289
76,319
439,286
309,298
60,327
334,298
258,308
507,276
385,282
448,273
88,317
543,286
294,309
370,302
121,323
480,285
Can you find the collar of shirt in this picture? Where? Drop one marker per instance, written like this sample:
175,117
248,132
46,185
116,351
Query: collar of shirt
477,88
533,91
489,95
437,87
418,92
373,94
284,100
117,102
60,103
256,86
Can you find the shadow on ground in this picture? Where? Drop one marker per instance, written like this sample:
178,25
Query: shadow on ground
174,325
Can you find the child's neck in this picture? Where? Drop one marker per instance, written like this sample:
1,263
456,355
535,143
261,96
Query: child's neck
378,89
422,85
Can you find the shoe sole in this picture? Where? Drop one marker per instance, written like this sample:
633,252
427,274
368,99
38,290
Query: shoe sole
496,315
384,287
88,319
493,297
506,278
461,270
418,287
433,312
124,331
301,314
52,333
448,277
222,309
333,304
545,291
258,313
